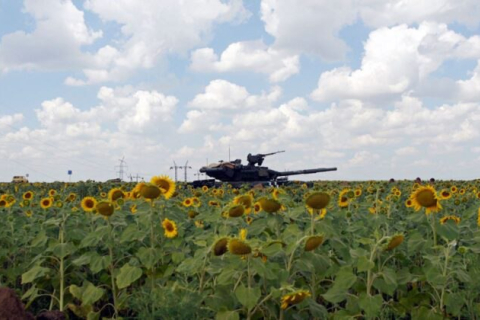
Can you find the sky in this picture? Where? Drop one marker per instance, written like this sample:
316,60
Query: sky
379,89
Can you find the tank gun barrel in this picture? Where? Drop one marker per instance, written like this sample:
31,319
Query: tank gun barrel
306,171
270,154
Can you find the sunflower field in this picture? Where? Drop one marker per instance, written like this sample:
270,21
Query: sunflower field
326,250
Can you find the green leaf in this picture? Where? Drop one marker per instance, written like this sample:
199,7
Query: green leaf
390,276
40,239
148,257
227,315
343,281
416,242
363,264
370,304
99,263
34,273
128,274
131,233
448,230
91,294
62,250
248,297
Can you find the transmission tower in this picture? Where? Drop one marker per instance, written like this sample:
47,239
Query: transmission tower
136,177
121,168
176,168
186,167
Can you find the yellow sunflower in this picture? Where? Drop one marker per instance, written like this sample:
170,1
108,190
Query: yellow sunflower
205,189
445,194
28,195
88,204
245,200
317,201
46,203
52,192
455,219
294,298
166,185
425,197
236,211
214,203
170,228
343,198
270,205
71,197
238,247
115,193
187,202
3,203
454,189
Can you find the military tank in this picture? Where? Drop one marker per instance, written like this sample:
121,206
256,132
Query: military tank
253,173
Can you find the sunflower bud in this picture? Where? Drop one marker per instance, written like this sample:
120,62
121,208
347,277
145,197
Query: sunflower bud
313,243
394,242
238,247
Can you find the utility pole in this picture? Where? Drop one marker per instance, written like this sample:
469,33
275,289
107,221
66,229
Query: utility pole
176,168
136,177
121,168
186,167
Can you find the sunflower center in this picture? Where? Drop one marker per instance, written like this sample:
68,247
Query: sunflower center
169,227
426,198
89,203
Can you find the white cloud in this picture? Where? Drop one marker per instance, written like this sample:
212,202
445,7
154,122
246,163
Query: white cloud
311,27
54,44
7,121
248,56
152,30
397,60
378,13
405,151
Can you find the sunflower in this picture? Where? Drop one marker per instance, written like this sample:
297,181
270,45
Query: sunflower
59,204
478,217
187,202
294,298
27,195
270,205
114,194
29,213
238,247
454,189
52,192
103,194
245,200
166,185
205,188
358,193
170,228
445,194
135,193
105,208
394,242
343,199
317,201
214,203
426,197
313,242
478,195
46,203
88,204
199,224
71,197
220,247
192,214
150,191
257,207
243,234
3,203
277,192
196,202
455,219
461,191
409,203
248,219
236,211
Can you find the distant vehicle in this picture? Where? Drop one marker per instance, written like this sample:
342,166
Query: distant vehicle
237,174
19,179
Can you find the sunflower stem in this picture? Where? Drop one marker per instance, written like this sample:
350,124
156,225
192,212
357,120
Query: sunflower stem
434,230
152,245
312,224
111,267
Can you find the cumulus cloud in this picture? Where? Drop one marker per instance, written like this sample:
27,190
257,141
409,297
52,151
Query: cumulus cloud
54,44
312,27
152,30
397,60
248,56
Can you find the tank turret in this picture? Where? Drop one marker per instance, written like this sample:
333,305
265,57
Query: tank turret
236,173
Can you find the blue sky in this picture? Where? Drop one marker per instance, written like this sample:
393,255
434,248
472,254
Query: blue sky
379,89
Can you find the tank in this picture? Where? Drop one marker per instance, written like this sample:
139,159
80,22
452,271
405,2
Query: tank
235,173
